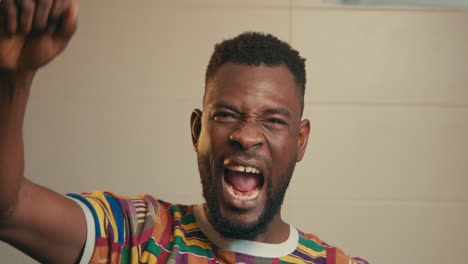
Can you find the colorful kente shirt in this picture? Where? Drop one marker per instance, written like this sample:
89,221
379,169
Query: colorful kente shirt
144,229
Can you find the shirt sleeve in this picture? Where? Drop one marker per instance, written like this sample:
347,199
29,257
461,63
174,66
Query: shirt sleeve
90,233
122,226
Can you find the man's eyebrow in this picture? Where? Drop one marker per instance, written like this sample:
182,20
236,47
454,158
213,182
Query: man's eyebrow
227,106
270,111
279,111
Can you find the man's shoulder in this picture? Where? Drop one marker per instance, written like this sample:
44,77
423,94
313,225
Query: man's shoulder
334,255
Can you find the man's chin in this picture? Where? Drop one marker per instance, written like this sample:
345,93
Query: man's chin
237,224
238,229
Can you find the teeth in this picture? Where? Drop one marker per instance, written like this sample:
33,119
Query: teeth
253,195
248,169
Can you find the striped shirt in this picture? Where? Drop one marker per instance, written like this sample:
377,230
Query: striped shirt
144,229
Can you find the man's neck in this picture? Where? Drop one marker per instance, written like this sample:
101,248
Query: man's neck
277,232
280,239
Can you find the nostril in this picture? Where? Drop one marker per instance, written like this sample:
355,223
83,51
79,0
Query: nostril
245,143
235,142
247,137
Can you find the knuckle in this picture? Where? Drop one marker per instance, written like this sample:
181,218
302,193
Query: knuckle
26,5
55,9
11,10
43,3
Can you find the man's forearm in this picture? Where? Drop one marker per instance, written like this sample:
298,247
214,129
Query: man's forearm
55,233
14,93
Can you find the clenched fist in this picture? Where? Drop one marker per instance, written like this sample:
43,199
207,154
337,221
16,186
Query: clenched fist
33,32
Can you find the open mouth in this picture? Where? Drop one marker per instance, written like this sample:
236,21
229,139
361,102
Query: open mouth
243,182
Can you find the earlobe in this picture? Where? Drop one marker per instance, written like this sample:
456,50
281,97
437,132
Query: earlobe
303,139
195,126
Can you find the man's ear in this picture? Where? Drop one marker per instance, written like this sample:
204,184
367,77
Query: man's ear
195,126
304,131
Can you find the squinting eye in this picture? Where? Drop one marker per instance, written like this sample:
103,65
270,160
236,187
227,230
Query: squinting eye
224,117
276,121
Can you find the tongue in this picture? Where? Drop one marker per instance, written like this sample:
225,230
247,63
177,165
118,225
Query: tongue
242,181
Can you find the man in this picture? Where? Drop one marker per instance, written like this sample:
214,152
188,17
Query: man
248,138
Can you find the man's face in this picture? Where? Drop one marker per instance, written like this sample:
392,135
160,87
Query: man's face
248,140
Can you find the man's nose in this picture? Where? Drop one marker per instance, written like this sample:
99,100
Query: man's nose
247,136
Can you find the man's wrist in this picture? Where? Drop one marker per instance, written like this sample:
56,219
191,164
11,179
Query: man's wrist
14,84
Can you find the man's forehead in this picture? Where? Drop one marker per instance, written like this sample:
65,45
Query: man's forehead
255,87
232,77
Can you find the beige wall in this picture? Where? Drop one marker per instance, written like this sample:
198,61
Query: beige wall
385,174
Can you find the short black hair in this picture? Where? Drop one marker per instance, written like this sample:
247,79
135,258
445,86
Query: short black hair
255,49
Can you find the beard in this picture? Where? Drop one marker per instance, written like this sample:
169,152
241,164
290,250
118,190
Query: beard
232,227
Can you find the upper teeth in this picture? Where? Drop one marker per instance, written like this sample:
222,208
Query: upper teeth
243,168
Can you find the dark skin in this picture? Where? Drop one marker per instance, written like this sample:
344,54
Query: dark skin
40,222
251,110
51,228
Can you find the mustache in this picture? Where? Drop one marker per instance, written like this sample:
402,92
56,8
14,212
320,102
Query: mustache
244,154
247,155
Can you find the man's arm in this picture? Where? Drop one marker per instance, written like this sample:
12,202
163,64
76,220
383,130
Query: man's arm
43,224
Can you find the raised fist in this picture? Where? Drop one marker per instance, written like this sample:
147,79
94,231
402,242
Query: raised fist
33,32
